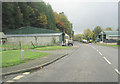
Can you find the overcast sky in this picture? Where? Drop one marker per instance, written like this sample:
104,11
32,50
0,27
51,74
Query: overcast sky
88,13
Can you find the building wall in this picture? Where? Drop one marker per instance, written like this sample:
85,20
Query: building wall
26,40
113,37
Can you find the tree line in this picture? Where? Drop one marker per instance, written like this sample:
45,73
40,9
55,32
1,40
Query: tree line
91,34
35,14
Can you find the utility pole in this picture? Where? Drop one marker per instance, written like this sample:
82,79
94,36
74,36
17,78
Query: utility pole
102,36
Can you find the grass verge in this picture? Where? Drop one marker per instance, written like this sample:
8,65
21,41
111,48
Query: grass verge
115,46
52,48
13,57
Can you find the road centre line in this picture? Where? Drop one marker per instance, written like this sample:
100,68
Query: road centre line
97,50
117,71
18,77
107,60
100,53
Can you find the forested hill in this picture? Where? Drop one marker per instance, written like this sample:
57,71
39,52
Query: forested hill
35,14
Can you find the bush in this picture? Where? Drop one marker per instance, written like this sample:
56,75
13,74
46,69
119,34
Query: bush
118,42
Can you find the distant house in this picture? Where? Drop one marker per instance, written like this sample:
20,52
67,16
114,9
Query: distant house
33,35
109,36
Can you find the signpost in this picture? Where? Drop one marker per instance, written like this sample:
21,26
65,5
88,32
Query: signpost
22,54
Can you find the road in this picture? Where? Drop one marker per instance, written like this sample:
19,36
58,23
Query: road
89,63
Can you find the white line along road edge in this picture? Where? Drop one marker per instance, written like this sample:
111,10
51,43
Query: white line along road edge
117,71
9,81
18,77
107,60
26,73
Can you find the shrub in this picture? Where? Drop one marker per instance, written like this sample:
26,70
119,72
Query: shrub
118,42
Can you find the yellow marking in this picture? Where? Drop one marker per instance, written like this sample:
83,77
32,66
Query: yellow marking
41,67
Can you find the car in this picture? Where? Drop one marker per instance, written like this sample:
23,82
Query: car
70,42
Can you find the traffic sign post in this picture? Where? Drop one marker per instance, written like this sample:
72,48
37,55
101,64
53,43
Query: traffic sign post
22,54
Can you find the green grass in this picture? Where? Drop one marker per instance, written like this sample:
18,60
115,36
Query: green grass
13,57
115,46
52,48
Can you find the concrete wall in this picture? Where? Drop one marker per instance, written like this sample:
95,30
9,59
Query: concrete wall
26,40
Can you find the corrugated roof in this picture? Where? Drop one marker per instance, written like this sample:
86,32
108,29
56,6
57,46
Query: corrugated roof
30,30
19,35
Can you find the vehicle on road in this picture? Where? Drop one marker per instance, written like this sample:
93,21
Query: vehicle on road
84,41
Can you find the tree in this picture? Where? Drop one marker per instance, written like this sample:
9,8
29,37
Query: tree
50,17
41,15
78,37
88,34
42,20
108,29
8,19
63,24
18,15
96,32
25,11
59,23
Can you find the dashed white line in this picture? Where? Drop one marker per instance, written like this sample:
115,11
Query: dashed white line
100,53
26,73
107,60
18,77
117,71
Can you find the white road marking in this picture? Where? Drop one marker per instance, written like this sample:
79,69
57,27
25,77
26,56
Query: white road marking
100,53
9,81
26,73
97,50
18,77
117,71
107,60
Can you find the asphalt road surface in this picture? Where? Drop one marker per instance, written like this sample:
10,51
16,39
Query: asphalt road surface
89,63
